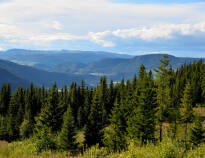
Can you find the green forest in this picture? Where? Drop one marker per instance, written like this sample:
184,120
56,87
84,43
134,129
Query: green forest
159,113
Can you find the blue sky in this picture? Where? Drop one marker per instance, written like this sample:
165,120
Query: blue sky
157,1
132,27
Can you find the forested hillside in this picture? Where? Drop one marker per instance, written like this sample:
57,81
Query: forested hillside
46,60
17,75
143,111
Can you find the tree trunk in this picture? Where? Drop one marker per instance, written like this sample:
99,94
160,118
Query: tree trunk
160,131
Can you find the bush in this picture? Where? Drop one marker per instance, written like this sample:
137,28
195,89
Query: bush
26,129
45,141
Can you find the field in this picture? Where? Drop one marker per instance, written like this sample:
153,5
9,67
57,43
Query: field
166,149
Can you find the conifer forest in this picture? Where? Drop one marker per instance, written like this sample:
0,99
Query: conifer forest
159,113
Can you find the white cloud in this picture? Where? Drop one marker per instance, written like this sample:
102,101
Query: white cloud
165,31
47,38
42,21
98,38
1,49
200,26
53,25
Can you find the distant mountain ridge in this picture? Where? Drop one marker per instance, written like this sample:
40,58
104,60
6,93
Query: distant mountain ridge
12,79
123,68
46,60
45,67
23,75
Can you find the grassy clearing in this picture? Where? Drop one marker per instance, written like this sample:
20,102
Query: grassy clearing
166,149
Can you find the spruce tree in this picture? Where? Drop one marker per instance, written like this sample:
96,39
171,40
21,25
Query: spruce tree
203,85
67,133
197,133
111,97
115,134
31,107
134,82
14,122
3,129
50,114
141,123
4,99
73,100
81,108
186,111
87,105
104,102
94,126
163,93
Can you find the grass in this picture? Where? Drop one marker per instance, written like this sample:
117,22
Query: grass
165,149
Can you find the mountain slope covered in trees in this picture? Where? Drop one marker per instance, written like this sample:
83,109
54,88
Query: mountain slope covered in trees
46,60
20,75
66,66
119,68
15,81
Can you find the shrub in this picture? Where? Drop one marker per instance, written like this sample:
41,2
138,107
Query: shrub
45,141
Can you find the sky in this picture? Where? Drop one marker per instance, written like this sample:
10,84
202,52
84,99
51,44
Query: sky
123,26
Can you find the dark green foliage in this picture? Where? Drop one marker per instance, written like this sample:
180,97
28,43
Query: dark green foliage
3,129
186,111
163,93
45,141
14,117
4,99
197,133
81,109
74,100
67,133
95,122
203,85
50,114
26,129
187,105
115,134
141,123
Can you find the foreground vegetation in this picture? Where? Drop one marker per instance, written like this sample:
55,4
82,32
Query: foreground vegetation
160,116
165,149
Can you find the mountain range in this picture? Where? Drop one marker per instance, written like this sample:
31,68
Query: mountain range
20,67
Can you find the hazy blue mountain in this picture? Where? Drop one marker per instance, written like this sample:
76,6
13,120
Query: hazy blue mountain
66,66
48,59
15,81
118,68
12,72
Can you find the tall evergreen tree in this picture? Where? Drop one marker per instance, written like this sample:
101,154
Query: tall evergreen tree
104,102
115,134
4,99
30,104
203,85
187,110
95,124
197,133
50,115
3,129
73,100
111,97
141,124
81,108
14,117
163,93
67,133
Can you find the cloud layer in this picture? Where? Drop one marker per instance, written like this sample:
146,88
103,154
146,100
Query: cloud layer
102,24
